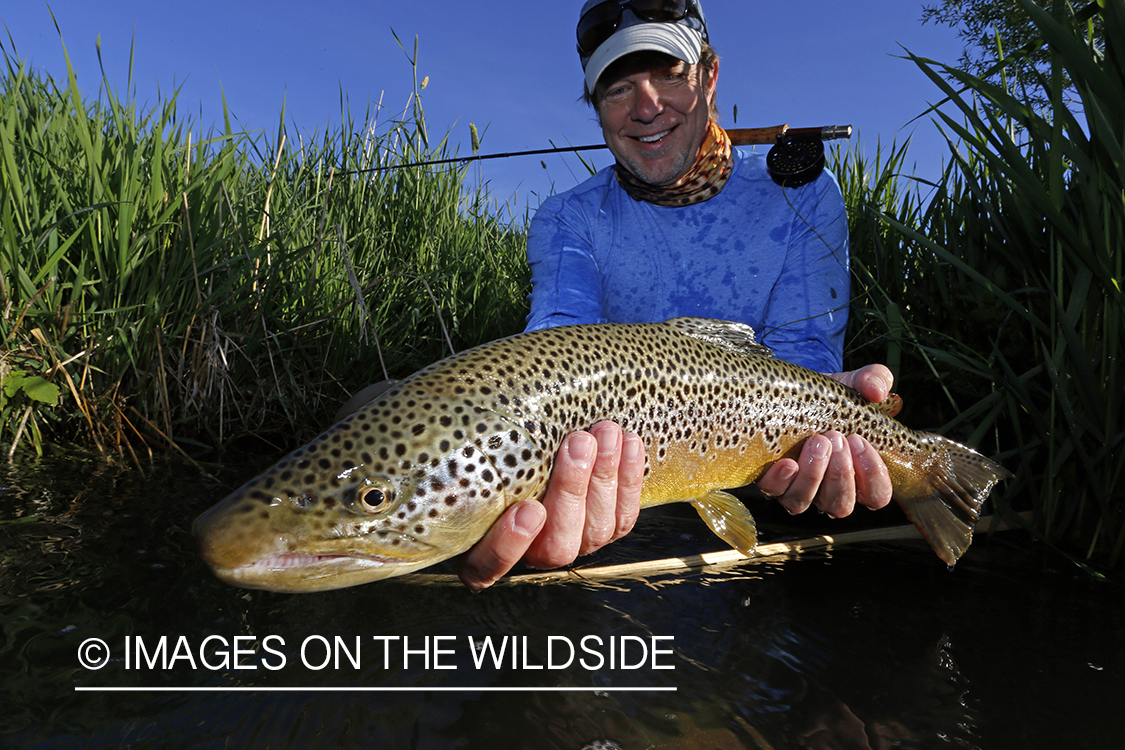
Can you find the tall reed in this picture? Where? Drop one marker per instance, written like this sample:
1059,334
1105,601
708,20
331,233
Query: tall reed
1006,280
162,288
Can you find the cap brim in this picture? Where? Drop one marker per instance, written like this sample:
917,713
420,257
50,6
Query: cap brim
672,38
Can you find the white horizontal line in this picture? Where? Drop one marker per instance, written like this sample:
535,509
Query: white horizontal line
246,689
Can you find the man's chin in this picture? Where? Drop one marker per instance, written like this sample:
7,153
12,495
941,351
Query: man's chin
654,173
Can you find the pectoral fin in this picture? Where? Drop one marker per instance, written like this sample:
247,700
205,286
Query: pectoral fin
729,519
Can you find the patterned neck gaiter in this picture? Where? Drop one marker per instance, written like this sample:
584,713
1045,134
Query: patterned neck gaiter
712,169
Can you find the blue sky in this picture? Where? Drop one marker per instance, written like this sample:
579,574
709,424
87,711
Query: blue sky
509,67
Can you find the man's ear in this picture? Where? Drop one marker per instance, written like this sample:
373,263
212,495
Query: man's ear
711,84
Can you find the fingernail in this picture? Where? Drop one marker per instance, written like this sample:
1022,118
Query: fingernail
581,447
529,518
787,472
606,448
821,448
858,444
837,441
631,449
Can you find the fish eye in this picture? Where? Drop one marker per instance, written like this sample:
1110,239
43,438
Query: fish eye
373,499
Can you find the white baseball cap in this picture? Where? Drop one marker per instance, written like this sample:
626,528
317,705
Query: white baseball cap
636,32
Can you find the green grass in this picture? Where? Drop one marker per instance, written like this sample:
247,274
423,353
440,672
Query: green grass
170,291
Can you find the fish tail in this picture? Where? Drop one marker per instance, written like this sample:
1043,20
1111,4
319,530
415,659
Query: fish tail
944,493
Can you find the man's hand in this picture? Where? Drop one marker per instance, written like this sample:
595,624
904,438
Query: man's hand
834,472
593,497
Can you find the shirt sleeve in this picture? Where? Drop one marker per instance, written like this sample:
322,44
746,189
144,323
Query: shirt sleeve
807,315
566,282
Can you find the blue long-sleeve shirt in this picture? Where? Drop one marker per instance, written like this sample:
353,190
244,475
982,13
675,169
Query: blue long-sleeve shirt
771,257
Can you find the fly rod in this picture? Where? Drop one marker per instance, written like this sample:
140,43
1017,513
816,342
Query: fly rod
738,137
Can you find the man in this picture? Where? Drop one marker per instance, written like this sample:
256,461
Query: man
681,225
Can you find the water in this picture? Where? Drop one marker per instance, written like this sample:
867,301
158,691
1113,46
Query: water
867,646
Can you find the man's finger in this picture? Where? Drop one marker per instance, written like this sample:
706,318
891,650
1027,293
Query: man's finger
601,493
630,478
502,546
836,495
565,500
872,480
811,467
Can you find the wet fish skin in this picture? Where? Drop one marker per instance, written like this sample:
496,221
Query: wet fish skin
419,474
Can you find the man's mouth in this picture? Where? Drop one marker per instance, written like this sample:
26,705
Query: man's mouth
654,137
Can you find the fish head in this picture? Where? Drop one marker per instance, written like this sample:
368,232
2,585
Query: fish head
408,481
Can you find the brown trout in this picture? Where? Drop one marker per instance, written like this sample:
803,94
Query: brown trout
420,473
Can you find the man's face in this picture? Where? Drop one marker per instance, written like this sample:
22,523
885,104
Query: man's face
654,111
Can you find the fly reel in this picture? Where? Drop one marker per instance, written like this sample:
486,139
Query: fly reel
797,158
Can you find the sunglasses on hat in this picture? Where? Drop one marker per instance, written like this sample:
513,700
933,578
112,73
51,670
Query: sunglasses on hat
601,21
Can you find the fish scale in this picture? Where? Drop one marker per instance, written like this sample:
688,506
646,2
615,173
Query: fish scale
419,474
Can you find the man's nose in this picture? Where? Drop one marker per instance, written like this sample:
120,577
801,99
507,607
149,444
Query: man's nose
647,106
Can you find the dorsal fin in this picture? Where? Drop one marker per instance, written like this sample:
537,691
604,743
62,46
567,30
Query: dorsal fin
729,335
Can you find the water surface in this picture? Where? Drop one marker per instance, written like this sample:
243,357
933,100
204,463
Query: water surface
869,645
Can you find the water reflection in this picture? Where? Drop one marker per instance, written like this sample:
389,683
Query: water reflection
872,646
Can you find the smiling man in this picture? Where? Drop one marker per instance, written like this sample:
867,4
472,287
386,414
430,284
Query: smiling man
681,224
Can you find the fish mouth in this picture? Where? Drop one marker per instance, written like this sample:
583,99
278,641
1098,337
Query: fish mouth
299,572
289,560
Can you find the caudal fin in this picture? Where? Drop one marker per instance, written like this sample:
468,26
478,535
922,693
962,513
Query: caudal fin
943,496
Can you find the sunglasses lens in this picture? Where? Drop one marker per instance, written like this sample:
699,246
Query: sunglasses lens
599,23
667,11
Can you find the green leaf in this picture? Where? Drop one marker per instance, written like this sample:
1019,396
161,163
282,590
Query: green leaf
33,386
